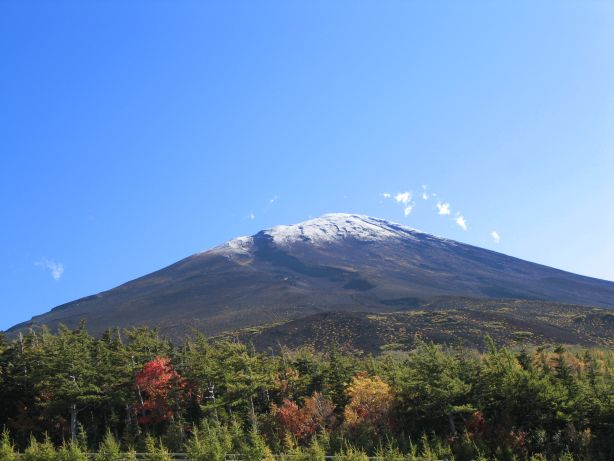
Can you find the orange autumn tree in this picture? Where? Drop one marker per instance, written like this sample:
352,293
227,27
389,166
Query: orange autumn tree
304,422
370,406
156,384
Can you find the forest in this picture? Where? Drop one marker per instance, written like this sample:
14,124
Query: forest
68,393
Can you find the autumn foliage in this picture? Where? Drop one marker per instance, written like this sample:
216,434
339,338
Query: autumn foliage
370,406
156,384
540,403
303,422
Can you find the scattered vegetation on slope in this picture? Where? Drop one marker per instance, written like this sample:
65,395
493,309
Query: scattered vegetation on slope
451,321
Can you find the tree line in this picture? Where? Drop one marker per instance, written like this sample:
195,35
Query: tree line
68,393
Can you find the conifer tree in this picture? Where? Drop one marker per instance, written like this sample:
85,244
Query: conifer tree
7,448
109,449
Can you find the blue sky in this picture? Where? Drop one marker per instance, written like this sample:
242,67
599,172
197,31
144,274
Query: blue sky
133,134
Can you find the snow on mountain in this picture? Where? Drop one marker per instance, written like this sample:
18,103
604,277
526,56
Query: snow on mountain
321,265
329,228
335,226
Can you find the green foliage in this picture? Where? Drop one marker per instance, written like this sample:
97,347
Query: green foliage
553,403
155,450
109,449
255,448
316,451
7,449
130,455
434,449
71,452
350,453
40,451
209,442
389,453
432,391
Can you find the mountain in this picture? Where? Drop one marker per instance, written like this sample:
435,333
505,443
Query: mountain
335,263
446,320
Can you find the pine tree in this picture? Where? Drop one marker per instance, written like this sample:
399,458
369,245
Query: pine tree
109,449
7,449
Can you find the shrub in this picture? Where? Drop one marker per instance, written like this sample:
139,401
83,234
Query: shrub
351,453
109,449
315,451
389,453
40,451
255,448
71,452
156,451
209,442
7,449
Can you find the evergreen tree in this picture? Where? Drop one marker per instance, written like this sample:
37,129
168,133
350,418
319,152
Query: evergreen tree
7,449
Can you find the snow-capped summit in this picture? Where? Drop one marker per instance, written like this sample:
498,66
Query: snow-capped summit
328,228
335,226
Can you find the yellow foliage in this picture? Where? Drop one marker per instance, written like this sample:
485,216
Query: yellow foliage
371,400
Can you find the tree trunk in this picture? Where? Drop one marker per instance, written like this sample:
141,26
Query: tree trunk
253,418
73,422
452,425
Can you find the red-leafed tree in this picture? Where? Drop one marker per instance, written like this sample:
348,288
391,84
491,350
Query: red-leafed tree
159,386
303,423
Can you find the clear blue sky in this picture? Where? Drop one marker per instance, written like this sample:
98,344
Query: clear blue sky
135,133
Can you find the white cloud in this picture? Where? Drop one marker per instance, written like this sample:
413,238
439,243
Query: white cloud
55,268
443,208
425,194
403,197
460,220
270,203
252,216
495,236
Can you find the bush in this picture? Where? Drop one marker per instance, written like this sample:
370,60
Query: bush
71,452
156,451
351,453
109,449
40,451
7,449
434,450
315,451
209,442
389,453
255,448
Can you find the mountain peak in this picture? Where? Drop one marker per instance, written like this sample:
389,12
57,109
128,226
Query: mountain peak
328,228
338,226
337,261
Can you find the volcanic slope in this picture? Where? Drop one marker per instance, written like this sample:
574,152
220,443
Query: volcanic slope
337,262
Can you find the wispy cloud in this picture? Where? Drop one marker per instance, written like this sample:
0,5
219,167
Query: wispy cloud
460,220
425,194
386,195
408,209
251,216
56,269
443,208
495,236
271,202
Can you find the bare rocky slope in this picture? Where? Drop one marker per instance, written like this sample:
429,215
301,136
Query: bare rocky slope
335,263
